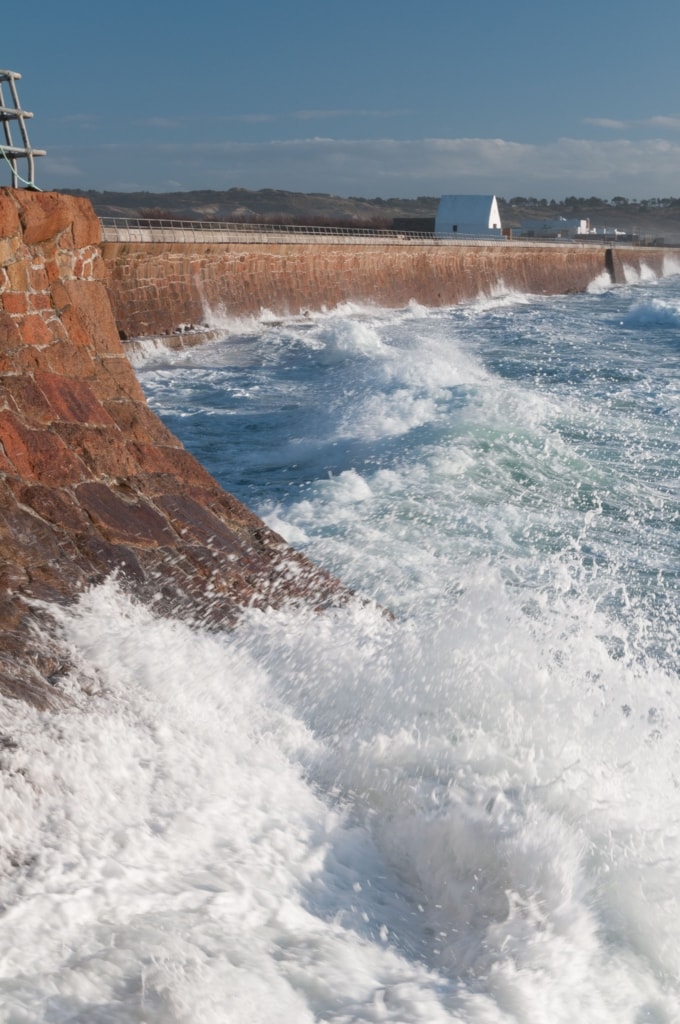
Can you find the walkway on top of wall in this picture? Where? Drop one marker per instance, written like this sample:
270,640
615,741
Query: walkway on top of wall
123,229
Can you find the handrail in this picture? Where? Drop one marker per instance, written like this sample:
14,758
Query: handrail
142,229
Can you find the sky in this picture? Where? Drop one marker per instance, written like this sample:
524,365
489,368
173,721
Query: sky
371,98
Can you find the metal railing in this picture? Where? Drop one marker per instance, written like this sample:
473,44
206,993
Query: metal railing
131,229
9,151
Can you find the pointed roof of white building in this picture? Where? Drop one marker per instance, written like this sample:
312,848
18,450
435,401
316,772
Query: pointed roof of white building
468,212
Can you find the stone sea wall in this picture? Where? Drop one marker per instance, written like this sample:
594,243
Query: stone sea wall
155,286
90,480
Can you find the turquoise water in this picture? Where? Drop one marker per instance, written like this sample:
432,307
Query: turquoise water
519,432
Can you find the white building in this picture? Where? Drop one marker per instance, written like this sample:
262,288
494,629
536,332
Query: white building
558,227
467,215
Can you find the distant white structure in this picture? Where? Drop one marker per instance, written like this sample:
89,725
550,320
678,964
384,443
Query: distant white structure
608,232
467,215
558,227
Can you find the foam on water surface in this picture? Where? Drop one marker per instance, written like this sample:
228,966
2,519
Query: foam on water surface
467,811
343,817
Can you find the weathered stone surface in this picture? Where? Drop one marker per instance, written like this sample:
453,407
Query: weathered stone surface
138,423
9,215
86,228
10,338
132,520
47,215
71,400
91,316
35,329
69,360
113,380
91,482
98,448
55,506
198,523
37,453
24,396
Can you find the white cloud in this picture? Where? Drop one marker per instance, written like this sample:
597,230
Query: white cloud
671,122
394,167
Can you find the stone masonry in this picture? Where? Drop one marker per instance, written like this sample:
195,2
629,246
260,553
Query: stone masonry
155,286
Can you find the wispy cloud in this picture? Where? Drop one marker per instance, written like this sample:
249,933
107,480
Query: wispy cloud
159,122
263,117
321,115
59,169
84,121
305,115
248,118
605,122
662,122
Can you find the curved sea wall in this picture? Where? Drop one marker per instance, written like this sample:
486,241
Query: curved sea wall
90,480
156,286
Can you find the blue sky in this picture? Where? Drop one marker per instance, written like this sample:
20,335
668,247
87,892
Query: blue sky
364,98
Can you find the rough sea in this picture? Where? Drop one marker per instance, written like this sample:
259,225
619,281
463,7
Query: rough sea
466,811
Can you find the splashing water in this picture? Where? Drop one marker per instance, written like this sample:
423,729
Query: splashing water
464,812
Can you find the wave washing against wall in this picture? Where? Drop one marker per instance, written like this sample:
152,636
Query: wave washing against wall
157,286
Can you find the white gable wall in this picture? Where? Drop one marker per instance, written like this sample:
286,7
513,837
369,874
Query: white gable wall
468,215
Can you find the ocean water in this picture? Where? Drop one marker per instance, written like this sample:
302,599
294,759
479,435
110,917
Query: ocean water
465,811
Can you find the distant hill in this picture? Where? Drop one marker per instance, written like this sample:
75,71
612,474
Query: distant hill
657,219
266,204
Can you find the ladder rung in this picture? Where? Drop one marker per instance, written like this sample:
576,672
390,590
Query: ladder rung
15,151
13,112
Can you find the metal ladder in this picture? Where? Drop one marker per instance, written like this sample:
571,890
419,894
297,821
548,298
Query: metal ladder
10,152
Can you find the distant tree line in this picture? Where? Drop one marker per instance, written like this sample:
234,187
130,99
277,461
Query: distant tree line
149,214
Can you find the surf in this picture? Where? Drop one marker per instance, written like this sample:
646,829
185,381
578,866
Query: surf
465,810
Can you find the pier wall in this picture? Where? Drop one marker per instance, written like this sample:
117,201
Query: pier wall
156,286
